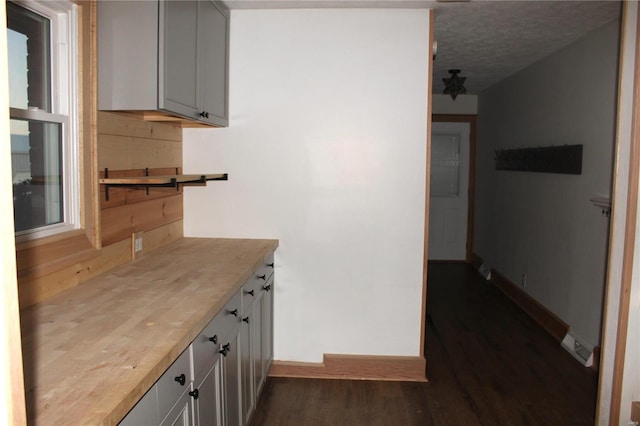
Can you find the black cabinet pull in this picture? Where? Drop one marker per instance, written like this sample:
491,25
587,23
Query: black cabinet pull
181,379
214,339
194,393
270,265
249,292
262,277
234,312
246,319
204,114
225,349
267,287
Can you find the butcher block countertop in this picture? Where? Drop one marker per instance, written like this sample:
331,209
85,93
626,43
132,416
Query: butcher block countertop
92,352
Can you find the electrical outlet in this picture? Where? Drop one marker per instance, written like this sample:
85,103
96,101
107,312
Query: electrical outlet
523,280
137,245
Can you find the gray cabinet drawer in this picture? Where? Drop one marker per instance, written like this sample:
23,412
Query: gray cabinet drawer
253,288
208,342
250,292
265,270
169,385
145,412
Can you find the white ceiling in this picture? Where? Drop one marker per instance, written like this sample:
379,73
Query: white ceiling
488,40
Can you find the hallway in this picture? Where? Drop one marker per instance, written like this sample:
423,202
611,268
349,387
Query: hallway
487,364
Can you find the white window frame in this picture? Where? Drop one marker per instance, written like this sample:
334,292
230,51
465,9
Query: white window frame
64,108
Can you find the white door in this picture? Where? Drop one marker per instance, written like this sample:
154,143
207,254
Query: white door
449,191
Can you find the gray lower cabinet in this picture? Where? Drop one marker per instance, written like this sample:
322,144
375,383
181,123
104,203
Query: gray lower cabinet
232,378
217,380
265,334
256,348
181,413
208,408
248,352
167,398
145,412
215,352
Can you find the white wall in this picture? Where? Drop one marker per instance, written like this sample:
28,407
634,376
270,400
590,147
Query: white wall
544,224
463,104
326,151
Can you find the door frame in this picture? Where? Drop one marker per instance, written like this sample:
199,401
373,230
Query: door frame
471,120
622,232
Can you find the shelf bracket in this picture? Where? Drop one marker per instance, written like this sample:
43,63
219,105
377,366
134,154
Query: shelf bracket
106,187
146,173
225,176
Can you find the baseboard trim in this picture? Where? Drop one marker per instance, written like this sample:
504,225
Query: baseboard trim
596,359
355,367
540,314
543,316
476,261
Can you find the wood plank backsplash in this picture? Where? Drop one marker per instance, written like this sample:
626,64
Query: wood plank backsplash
128,143
124,143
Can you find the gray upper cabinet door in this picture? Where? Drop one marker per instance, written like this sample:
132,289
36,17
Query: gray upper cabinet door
213,56
127,55
178,50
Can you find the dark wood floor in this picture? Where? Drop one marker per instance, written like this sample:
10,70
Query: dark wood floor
487,364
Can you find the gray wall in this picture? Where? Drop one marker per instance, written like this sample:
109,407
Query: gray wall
540,224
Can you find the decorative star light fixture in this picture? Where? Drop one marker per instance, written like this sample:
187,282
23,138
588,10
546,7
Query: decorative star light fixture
454,85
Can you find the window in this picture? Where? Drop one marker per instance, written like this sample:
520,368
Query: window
445,165
42,42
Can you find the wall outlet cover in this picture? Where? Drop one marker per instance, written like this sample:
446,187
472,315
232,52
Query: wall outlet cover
485,271
137,244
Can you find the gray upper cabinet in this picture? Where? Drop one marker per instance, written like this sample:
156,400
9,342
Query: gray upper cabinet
166,56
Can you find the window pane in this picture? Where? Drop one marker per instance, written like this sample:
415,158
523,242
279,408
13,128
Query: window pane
29,59
445,165
36,164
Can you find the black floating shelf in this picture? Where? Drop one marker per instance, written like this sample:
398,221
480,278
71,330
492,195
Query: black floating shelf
166,180
566,159
163,181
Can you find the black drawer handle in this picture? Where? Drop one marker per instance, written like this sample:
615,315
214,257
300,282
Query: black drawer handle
267,287
262,277
204,114
181,379
225,349
234,312
194,393
246,319
214,339
270,265
249,292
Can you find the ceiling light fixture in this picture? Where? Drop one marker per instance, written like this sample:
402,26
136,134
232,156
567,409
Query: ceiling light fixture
454,85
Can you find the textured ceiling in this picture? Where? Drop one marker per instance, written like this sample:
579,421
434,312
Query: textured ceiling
491,40
488,40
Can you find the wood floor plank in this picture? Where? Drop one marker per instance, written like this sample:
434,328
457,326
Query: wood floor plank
488,364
